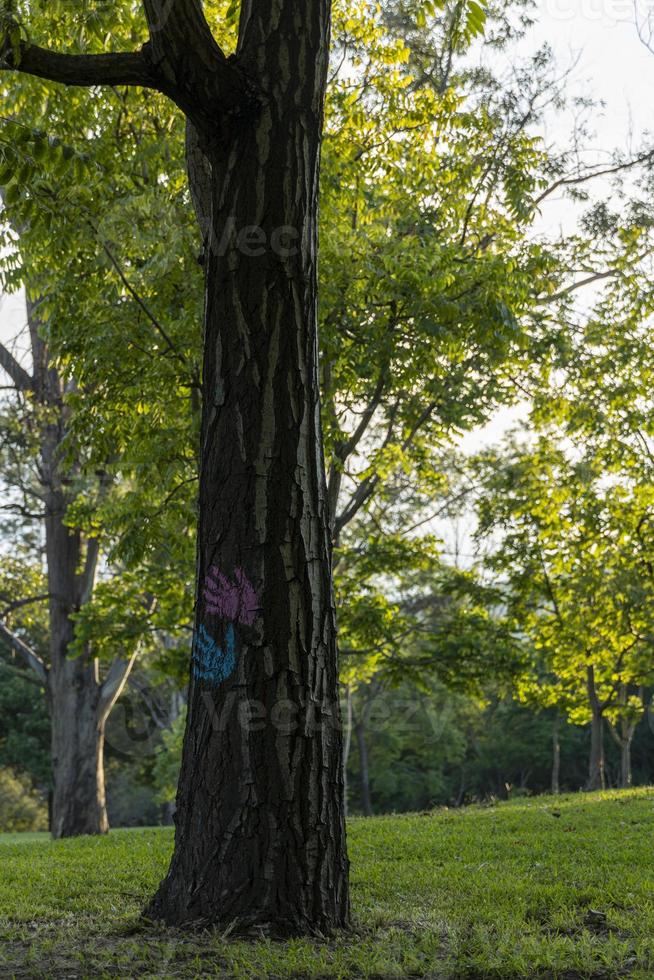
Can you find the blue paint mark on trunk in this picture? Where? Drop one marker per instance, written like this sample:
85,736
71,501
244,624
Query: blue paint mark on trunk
213,663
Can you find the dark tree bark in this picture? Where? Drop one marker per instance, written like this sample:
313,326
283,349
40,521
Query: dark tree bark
272,850
596,769
260,839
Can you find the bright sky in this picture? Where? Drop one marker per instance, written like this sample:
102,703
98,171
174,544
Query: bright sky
618,67
611,65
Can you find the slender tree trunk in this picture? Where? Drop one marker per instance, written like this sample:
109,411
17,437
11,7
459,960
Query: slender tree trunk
623,734
260,838
73,690
347,744
75,694
364,769
596,768
625,763
556,756
78,702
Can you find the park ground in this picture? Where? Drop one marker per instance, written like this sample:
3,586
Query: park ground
559,887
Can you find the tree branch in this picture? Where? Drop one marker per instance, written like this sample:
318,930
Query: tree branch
19,603
22,380
129,68
367,486
182,60
114,684
574,181
87,575
561,293
31,658
141,303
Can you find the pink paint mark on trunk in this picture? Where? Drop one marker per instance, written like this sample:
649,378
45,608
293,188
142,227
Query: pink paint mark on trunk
236,601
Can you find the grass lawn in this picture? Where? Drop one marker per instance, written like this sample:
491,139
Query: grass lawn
538,887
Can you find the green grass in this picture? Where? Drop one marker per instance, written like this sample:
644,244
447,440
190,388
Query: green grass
512,890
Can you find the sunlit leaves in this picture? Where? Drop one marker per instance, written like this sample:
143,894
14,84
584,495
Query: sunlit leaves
570,553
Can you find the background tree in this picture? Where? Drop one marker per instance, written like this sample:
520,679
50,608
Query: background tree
78,700
573,581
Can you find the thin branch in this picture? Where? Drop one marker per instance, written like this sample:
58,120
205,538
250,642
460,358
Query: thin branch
562,293
367,486
30,657
87,576
592,174
143,306
114,684
345,448
19,603
20,377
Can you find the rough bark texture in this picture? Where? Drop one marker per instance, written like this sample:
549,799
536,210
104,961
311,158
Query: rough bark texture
260,836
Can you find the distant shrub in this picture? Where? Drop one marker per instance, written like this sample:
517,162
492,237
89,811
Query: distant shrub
130,802
21,807
168,759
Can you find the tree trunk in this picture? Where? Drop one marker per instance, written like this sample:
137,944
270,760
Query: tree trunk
78,802
625,763
260,839
556,757
74,695
623,734
364,769
347,745
596,770
73,689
